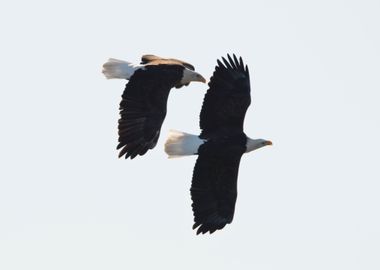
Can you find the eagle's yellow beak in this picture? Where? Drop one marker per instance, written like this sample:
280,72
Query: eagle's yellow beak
200,78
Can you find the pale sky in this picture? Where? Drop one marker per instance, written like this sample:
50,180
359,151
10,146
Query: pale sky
309,202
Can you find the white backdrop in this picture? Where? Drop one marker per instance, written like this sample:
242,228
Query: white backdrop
309,202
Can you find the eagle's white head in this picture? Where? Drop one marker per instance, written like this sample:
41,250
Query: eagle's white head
191,76
253,144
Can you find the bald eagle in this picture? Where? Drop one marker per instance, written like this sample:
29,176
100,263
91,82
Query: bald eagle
219,147
143,104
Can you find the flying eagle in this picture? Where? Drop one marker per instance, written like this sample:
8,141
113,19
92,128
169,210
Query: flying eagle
143,105
219,147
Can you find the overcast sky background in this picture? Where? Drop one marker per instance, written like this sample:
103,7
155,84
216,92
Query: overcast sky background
309,202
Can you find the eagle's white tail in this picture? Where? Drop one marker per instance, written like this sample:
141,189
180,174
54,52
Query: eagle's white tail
119,69
182,144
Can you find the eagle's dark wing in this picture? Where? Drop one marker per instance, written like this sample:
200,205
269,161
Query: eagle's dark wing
227,98
142,111
183,63
145,59
214,185
154,59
